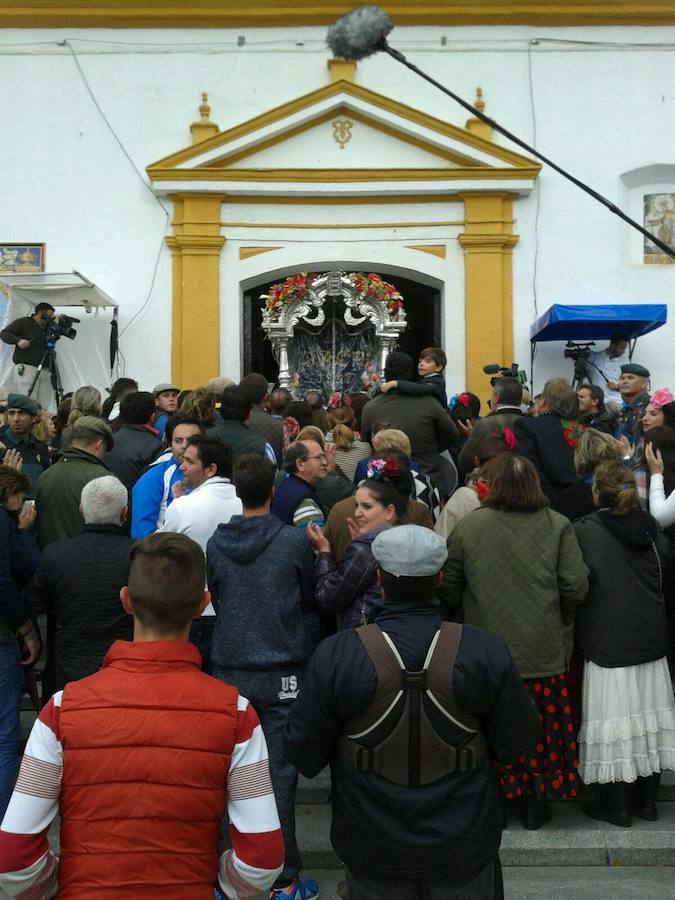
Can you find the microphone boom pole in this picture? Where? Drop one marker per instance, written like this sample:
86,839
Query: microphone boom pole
364,30
395,54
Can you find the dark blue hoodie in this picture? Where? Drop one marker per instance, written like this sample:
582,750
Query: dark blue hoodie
261,577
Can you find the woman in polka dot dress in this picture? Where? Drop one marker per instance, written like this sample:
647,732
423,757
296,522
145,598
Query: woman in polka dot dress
516,568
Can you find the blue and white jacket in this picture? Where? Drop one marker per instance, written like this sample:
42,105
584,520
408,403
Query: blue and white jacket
151,495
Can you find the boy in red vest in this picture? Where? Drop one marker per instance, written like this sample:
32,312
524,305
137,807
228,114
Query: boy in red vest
142,759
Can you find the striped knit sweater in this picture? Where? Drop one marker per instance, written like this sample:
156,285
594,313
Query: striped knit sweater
29,870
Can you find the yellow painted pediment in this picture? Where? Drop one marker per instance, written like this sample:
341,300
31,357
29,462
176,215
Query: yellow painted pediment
340,134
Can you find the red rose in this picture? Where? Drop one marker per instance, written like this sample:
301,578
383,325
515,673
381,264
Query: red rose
391,468
482,490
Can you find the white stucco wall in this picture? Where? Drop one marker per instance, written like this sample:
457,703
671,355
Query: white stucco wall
602,108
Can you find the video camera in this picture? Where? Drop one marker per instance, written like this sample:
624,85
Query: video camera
511,371
60,326
580,353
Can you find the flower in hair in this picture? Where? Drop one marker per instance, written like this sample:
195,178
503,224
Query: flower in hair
662,397
383,470
482,489
459,400
391,468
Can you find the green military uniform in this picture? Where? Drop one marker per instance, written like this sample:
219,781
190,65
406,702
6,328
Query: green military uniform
34,454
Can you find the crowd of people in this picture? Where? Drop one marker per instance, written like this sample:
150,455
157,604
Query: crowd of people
466,616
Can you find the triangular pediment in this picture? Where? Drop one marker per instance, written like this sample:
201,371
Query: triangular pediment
341,134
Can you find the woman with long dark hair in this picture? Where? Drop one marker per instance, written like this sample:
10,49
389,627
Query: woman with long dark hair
514,568
627,735
350,589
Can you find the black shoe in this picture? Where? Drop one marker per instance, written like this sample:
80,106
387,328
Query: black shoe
535,813
609,803
643,803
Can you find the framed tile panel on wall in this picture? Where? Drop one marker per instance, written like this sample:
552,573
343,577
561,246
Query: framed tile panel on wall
22,258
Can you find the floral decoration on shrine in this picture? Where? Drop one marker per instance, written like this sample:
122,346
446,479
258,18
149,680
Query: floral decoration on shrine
300,287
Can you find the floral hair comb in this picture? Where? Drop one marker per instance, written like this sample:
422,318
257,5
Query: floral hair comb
383,469
662,397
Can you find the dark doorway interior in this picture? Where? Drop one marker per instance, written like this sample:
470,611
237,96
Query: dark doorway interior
423,314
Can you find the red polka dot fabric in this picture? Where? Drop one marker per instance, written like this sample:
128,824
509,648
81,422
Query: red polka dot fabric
549,771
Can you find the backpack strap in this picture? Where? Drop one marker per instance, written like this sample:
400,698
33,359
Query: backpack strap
388,666
440,665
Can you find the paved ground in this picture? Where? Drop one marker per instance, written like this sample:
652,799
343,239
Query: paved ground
565,883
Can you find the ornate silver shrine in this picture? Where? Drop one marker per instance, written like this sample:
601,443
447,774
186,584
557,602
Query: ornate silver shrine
359,310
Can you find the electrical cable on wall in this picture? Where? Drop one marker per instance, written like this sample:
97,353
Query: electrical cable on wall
146,185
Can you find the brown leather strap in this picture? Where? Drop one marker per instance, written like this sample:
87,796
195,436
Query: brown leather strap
388,672
440,675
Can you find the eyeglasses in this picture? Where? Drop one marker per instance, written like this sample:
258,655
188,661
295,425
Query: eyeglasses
317,456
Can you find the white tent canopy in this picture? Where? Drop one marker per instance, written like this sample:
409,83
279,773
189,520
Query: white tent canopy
86,360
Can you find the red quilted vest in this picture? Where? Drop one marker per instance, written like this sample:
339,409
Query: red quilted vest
147,743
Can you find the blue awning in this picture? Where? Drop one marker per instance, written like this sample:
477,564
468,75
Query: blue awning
590,323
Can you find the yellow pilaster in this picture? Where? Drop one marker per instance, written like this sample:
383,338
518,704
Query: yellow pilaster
488,242
195,247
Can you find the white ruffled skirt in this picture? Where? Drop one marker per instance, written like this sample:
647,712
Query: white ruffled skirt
628,722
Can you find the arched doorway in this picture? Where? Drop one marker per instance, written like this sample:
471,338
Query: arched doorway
423,315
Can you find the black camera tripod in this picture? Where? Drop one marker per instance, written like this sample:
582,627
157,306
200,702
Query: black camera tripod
49,361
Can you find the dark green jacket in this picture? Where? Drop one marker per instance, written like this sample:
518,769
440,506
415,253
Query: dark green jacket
58,492
519,576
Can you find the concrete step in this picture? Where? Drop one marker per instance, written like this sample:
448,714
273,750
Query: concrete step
555,883
570,839
317,790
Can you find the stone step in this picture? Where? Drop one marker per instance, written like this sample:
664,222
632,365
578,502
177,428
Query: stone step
317,790
570,839
555,883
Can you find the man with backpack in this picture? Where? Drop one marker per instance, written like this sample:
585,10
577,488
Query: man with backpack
411,713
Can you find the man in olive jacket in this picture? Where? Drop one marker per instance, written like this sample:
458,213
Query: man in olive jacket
427,425
59,488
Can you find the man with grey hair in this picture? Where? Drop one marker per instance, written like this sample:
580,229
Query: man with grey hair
80,578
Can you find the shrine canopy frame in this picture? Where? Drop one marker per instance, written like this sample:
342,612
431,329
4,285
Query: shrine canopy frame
596,323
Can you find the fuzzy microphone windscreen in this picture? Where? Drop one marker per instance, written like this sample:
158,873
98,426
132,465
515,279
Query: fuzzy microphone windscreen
359,33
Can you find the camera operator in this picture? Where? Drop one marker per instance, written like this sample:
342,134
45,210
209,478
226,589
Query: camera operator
604,367
28,336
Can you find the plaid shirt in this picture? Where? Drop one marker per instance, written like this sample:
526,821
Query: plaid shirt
350,589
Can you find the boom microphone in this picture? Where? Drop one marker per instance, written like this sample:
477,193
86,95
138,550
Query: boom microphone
492,369
364,30
359,33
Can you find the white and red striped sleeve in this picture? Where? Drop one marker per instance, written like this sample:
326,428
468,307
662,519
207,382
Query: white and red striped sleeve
257,854
28,869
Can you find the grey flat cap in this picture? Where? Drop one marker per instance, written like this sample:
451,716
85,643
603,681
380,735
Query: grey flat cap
410,550
98,426
165,386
